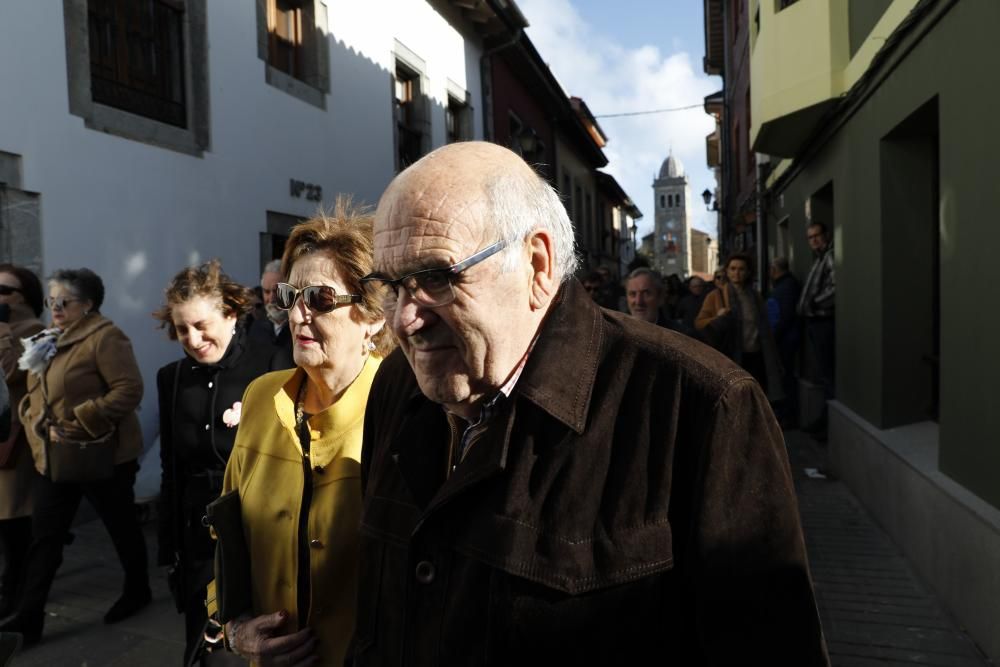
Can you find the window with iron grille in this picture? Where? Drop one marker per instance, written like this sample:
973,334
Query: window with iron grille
137,57
408,112
138,69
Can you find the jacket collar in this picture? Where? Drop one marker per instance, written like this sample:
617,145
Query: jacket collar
559,375
82,328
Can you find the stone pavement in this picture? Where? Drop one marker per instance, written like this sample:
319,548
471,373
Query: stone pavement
875,610
88,583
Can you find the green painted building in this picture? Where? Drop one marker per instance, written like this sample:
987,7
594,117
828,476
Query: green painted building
878,117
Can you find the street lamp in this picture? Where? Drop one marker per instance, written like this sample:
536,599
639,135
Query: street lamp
709,204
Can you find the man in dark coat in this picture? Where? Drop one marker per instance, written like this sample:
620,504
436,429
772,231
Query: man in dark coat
273,328
781,306
549,482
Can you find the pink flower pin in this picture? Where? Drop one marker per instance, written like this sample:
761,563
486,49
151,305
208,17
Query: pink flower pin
231,417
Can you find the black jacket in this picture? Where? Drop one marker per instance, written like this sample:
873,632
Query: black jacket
630,504
263,330
195,443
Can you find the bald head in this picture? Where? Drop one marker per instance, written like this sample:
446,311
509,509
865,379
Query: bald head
488,192
479,206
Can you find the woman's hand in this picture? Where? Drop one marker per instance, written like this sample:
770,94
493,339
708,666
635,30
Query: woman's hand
68,431
262,640
721,312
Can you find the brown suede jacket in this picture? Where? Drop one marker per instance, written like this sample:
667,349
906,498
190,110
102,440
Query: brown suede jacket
630,504
93,385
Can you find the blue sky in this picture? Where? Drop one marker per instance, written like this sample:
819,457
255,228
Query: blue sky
634,55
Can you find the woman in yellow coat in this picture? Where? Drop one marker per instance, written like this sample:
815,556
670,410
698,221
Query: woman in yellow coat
296,461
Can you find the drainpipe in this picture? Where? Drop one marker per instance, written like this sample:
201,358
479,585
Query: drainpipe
761,213
727,141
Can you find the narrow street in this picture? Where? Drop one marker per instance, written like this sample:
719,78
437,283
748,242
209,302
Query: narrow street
875,610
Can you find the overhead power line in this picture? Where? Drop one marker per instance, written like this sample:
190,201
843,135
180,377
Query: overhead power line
645,113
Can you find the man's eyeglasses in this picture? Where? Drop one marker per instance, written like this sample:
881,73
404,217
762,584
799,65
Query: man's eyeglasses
318,298
430,287
7,290
59,302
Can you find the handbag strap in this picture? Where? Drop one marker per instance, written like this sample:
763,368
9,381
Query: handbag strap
176,501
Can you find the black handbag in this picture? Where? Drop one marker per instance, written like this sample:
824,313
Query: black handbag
78,461
232,557
81,461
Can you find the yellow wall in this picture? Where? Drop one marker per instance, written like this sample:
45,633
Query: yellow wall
801,56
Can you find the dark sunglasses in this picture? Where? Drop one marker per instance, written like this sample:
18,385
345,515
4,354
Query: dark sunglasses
7,290
318,298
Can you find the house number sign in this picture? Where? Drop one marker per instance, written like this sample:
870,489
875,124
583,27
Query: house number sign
310,191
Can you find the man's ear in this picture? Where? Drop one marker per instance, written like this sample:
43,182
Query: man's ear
541,259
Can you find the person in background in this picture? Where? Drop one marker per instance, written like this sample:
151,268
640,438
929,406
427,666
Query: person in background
548,482
592,284
21,296
612,292
690,305
274,327
817,306
83,385
644,295
735,320
200,398
784,321
297,452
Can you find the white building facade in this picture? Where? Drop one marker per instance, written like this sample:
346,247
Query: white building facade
672,225
206,129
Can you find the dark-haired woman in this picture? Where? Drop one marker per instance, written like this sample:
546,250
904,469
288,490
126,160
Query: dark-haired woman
21,294
734,320
83,387
199,397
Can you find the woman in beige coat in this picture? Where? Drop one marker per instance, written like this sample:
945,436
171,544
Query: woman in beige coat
21,293
83,387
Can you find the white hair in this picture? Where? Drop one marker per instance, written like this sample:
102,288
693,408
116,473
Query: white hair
274,266
518,206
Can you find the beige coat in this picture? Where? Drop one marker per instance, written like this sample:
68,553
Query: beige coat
15,484
93,385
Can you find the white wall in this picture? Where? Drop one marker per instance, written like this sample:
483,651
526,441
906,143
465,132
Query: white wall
137,213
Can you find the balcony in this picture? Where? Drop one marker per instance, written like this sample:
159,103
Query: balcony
797,62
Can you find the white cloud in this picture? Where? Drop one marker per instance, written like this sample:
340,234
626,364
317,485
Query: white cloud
616,78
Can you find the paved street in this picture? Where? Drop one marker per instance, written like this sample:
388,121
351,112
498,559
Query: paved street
875,611
87,585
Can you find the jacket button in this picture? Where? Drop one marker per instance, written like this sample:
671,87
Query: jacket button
425,572
208,426
316,544
210,384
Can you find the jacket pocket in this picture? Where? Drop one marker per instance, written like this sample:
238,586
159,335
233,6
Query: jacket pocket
572,564
579,601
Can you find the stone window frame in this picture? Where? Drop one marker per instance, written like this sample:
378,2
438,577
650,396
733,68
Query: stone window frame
460,107
192,140
406,59
314,86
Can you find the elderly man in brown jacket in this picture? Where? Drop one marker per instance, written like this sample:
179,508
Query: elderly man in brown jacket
547,482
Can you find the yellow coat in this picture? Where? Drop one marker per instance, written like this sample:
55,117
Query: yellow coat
266,467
